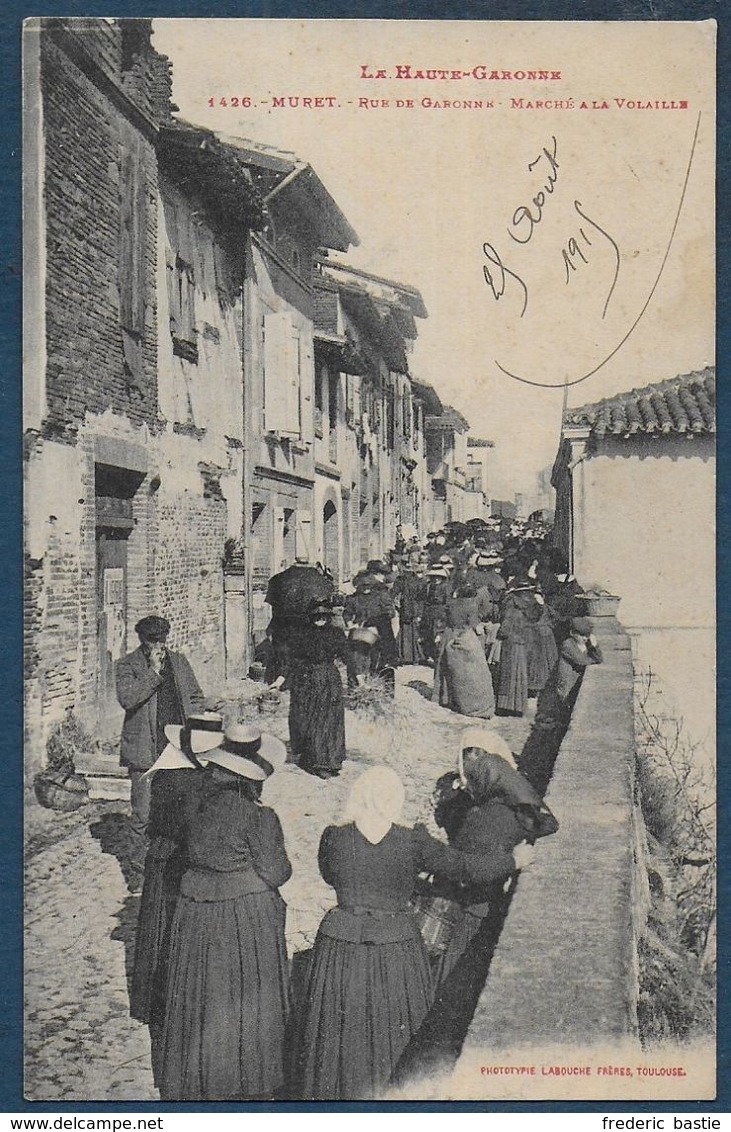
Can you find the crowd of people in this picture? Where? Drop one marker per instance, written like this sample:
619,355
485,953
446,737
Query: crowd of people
499,617
211,975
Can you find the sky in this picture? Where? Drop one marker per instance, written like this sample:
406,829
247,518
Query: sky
548,241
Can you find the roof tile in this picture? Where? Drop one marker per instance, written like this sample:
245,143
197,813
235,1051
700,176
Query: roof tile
684,404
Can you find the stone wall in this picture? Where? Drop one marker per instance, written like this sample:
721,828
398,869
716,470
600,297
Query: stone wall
564,973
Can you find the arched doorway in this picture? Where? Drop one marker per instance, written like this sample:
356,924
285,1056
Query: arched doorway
330,538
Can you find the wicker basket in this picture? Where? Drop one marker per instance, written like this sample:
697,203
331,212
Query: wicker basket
437,917
62,792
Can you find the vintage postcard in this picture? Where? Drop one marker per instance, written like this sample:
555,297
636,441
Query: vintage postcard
369,421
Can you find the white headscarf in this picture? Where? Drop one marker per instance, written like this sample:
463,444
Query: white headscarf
375,802
485,740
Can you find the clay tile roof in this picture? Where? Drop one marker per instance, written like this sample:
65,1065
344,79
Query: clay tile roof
684,404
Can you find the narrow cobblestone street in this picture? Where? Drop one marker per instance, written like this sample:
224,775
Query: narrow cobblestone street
80,1043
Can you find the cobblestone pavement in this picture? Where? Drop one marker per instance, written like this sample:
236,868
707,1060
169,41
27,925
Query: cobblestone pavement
80,1042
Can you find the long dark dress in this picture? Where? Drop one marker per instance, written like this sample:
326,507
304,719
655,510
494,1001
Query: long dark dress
409,592
434,616
542,651
227,993
557,698
172,793
370,985
513,632
462,680
502,811
316,706
564,603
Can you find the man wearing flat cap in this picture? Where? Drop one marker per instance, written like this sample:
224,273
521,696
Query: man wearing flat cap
577,653
156,688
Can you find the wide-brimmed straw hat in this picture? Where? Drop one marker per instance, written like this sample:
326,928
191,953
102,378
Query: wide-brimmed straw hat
204,732
241,753
486,558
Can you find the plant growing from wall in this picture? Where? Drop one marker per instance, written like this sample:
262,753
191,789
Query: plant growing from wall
677,951
68,739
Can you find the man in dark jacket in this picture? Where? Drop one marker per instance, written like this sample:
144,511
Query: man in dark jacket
155,687
577,653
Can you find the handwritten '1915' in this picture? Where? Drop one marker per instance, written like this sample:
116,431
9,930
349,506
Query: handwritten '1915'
525,220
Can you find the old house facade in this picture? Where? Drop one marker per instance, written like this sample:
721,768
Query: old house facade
369,447
635,514
208,395
279,363
446,448
635,470
134,420
477,479
90,382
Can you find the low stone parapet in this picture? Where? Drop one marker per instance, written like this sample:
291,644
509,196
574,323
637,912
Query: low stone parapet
564,971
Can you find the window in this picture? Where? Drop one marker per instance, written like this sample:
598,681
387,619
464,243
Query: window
181,293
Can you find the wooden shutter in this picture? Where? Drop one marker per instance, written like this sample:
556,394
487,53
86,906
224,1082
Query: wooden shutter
132,232
303,538
281,375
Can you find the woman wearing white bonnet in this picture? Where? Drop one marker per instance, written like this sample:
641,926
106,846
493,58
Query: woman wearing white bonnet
485,739
370,984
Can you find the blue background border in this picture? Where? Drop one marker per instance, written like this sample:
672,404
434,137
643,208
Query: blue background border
11,652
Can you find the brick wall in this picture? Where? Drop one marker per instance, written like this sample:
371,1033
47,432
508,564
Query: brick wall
90,113
86,363
188,579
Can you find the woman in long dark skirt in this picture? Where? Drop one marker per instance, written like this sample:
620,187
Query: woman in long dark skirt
542,651
227,993
176,778
370,985
316,706
513,635
409,594
462,680
493,811
437,591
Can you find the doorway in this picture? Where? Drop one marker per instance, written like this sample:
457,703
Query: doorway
114,490
330,538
